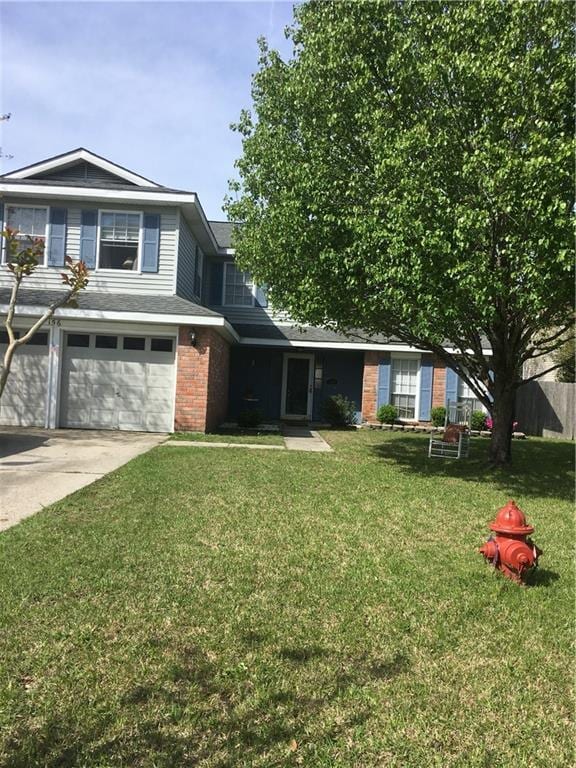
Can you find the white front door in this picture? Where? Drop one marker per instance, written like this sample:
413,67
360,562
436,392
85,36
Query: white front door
112,381
297,386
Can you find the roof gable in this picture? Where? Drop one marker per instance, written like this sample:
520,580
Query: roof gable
80,165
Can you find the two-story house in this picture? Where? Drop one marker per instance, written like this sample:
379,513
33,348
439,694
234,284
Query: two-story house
170,335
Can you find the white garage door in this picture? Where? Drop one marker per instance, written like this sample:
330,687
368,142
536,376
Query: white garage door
23,403
117,382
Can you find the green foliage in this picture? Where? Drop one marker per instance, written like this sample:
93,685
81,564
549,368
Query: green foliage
409,172
566,357
438,416
339,411
249,419
478,420
387,414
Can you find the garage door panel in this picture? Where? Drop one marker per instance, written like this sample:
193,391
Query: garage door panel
24,400
117,388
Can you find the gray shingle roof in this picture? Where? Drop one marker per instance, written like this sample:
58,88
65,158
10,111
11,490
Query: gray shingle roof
289,333
113,302
222,232
92,184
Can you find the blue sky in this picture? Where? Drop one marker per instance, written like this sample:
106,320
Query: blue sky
152,86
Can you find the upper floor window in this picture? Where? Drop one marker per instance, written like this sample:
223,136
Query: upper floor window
119,240
29,221
404,386
238,287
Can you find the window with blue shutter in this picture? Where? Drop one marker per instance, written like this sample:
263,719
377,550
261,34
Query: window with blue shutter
426,375
151,242
88,233
384,380
57,237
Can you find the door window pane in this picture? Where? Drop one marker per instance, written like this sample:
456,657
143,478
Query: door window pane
161,345
39,340
134,342
106,342
297,375
78,340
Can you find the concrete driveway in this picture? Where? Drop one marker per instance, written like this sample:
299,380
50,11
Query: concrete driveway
39,467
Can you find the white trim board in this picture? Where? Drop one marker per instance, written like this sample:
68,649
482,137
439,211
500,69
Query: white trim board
360,346
219,323
95,193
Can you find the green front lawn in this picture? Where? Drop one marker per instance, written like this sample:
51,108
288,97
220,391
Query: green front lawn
245,608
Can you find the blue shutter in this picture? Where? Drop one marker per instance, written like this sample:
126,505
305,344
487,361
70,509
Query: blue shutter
88,232
426,373
150,242
261,296
2,241
384,380
216,278
1,216
57,237
451,386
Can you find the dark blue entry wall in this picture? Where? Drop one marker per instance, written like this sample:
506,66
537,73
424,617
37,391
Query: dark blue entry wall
256,379
337,373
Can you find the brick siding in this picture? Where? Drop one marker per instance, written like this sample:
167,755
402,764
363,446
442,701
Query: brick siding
439,383
370,386
201,380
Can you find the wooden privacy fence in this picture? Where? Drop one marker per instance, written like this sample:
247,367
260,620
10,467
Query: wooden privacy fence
546,408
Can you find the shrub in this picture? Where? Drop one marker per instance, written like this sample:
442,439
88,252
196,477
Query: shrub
339,411
478,420
438,416
387,414
249,419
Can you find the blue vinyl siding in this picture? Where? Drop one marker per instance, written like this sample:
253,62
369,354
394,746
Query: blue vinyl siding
342,374
255,382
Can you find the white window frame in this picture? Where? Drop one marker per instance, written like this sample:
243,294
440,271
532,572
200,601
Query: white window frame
253,291
461,398
7,205
408,356
109,270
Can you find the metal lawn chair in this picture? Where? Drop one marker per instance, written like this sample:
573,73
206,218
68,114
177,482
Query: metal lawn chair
455,442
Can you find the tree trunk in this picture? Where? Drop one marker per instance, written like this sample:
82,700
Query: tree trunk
502,420
6,365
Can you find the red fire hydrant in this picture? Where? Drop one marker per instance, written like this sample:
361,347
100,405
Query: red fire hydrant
510,551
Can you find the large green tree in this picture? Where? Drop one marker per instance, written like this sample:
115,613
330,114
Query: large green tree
408,172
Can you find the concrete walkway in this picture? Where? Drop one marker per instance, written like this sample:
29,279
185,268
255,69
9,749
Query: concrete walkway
39,467
295,439
304,439
207,444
